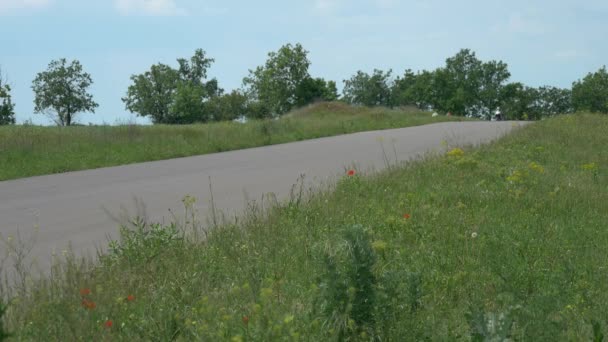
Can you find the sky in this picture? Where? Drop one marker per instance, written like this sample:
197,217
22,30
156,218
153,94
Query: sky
544,42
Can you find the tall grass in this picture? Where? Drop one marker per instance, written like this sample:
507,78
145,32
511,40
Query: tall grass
34,150
508,241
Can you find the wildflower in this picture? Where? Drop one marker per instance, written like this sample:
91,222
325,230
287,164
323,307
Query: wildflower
351,172
515,177
456,152
379,246
85,292
130,298
108,324
246,320
589,167
88,304
474,235
407,216
534,166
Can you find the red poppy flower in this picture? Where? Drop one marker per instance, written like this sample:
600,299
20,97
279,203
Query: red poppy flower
406,216
130,298
85,292
88,304
246,320
108,324
351,172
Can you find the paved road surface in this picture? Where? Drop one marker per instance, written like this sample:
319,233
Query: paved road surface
74,206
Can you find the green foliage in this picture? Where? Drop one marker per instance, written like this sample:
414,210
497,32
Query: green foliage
151,93
591,93
142,243
4,334
7,108
276,83
368,90
314,90
522,102
174,96
349,287
61,91
490,327
468,86
230,106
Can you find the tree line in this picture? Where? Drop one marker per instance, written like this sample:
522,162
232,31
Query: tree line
464,86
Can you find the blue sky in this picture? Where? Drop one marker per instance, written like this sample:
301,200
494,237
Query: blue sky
543,42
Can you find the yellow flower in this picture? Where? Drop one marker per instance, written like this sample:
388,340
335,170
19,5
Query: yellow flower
535,167
379,246
515,176
589,167
266,293
456,152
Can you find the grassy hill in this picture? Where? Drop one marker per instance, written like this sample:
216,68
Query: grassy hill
505,241
33,150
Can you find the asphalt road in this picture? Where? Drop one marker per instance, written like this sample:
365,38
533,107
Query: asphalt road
77,207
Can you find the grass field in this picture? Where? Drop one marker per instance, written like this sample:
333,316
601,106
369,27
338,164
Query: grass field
34,150
508,241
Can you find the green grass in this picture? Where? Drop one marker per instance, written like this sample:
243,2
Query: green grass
505,241
33,150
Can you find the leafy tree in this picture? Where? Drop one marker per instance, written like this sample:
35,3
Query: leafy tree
174,96
228,106
7,108
521,102
516,100
414,89
275,84
188,104
591,93
368,90
315,89
550,101
61,91
468,86
152,92
492,80
195,70
458,83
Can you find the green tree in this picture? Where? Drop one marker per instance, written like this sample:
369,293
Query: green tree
492,80
591,93
151,94
368,90
414,89
315,89
174,96
7,108
228,106
61,91
516,100
550,101
458,83
521,102
275,84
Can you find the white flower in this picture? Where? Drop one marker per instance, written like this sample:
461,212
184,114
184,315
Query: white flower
474,235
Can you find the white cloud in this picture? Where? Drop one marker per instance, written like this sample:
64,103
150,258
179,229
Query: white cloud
148,7
8,5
